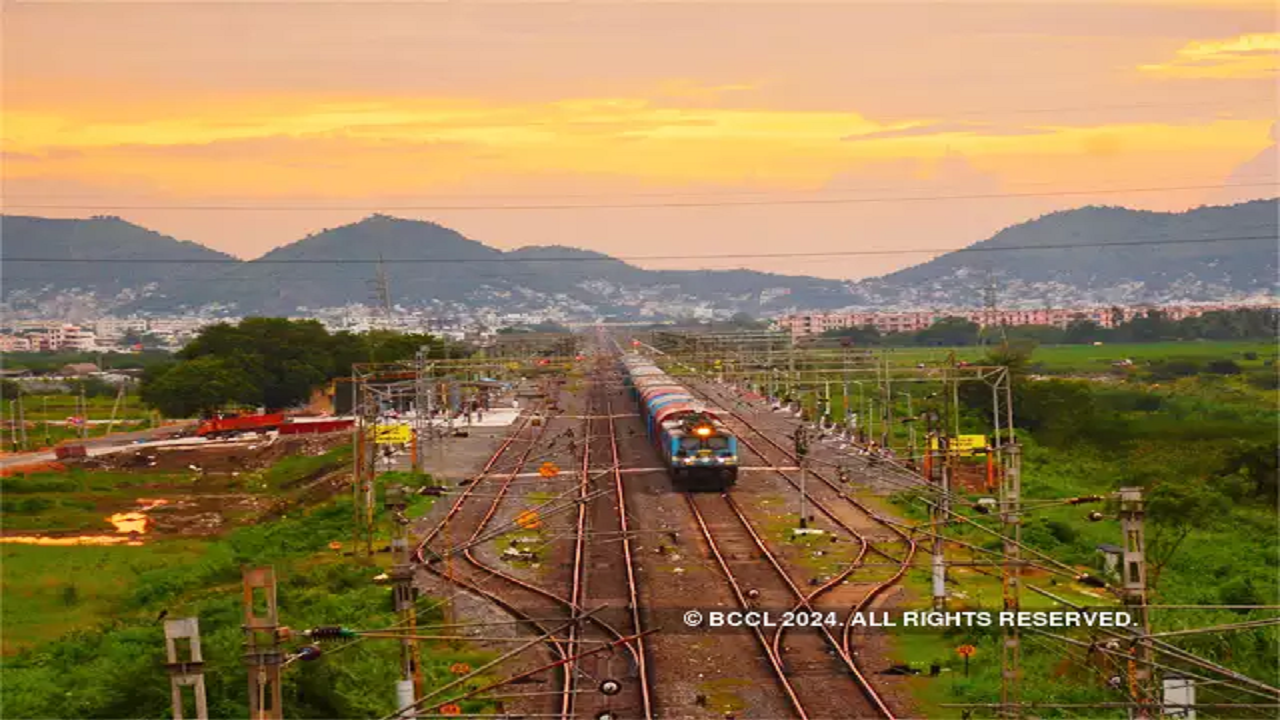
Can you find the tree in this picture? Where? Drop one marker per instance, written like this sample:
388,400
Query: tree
148,341
746,322
1082,331
277,363
949,331
865,335
1175,508
199,387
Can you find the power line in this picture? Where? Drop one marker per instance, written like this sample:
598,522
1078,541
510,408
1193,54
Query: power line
641,205
734,256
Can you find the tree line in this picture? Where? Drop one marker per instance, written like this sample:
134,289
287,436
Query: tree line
269,362
1152,326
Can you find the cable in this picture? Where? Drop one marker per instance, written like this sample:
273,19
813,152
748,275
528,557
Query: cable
623,206
443,261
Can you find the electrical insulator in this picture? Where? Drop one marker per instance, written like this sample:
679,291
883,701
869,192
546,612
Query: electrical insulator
308,653
1084,499
1095,516
610,687
329,632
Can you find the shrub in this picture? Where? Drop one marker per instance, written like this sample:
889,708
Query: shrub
1223,367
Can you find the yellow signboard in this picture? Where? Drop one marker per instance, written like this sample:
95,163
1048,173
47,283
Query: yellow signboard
963,444
392,434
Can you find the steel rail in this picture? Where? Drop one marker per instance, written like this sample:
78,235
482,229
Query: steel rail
774,661
633,595
845,646
864,685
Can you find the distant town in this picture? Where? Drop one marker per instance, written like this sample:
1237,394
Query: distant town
136,333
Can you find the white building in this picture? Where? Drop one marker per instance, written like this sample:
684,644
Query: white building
13,343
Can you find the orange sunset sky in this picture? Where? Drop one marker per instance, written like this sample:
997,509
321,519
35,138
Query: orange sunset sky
787,126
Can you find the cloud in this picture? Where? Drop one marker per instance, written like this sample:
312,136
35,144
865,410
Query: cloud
8,156
943,128
1252,56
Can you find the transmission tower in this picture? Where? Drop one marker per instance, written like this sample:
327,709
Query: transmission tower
990,310
381,294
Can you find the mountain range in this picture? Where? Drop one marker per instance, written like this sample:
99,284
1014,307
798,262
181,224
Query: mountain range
1090,255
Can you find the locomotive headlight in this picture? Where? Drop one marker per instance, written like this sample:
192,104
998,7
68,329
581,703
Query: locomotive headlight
702,431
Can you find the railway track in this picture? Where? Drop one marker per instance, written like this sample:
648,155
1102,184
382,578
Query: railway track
515,597
830,500
601,578
578,652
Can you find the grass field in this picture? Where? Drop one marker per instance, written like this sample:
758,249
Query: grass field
50,591
1095,359
37,409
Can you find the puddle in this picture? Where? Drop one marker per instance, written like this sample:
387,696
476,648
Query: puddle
130,527
135,521
71,540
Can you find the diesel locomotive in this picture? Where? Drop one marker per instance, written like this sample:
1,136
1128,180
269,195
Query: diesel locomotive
694,444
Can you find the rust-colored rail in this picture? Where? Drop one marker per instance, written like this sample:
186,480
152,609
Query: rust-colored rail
775,661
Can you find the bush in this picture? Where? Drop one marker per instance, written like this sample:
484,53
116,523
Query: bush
26,505
1264,380
1223,367
1174,369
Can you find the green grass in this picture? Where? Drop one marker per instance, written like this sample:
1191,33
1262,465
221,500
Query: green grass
79,500
99,651
36,409
50,591
1091,359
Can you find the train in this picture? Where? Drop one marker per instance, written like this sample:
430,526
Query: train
695,445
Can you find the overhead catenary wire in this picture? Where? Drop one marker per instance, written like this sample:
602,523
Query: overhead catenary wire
580,259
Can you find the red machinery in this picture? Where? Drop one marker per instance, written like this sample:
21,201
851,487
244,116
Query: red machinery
241,423
271,421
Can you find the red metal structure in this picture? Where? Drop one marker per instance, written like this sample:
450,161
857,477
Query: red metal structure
239,424
270,421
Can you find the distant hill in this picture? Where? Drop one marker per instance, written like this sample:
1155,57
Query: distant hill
114,278
1098,255
430,266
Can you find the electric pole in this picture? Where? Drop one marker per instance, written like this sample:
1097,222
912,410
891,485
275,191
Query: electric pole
1011,529
402,588
262,643
1133,571
187,672
940,513
802,450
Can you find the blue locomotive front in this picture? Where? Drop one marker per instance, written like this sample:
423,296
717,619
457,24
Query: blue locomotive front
697,447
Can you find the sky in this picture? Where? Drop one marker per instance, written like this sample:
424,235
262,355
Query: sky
685,128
